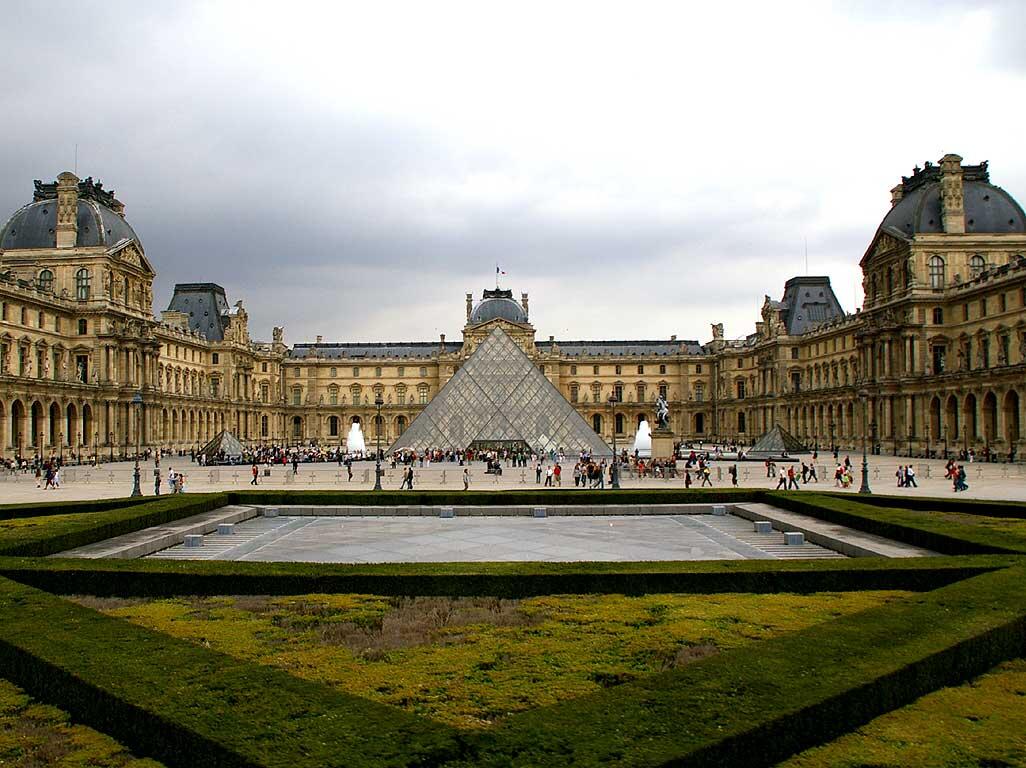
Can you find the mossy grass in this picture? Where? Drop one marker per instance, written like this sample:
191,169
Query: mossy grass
35,734
469,662
979,723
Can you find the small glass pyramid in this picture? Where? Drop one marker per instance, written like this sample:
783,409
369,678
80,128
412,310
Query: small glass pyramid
499,397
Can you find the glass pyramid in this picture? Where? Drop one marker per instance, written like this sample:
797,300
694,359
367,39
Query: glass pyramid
500,396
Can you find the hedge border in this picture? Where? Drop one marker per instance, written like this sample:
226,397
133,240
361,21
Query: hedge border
45,508
835,677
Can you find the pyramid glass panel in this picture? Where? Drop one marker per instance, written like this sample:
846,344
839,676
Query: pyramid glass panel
499,396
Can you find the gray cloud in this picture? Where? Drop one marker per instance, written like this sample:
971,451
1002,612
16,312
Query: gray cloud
634,199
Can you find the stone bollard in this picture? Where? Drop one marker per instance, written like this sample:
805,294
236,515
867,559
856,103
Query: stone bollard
270,512
194,540
225,529
763,526
541,512
719,510
447,513
794,538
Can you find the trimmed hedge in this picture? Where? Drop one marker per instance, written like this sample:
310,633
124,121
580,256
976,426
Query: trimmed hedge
757,705
167,578
43,508
57,533
550,498
900,524
192,707
989,508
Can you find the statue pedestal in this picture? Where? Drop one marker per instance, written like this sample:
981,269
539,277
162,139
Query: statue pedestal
662,443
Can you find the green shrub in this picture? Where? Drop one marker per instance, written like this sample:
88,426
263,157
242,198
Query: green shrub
166,578
42,508
38,537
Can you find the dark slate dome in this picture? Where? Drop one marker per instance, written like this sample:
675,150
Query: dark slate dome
498,304
35,225
988,209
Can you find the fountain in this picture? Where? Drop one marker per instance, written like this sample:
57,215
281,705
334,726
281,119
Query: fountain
643,441
355,443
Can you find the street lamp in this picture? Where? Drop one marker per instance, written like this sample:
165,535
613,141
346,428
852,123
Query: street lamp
378,401
615,485
137,401
864,397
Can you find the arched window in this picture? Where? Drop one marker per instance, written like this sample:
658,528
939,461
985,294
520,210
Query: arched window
82,284
936,265
976,265
46,281
596,422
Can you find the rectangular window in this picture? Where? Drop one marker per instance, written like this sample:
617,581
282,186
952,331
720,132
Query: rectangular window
1002,303
641,393
1005,341
264,392
794,353
641,369
741,390
402,371
939,358
296,372
938,316
82,368
573,370
423,397
42,320
796,381
698,368
334,373
83,327
57,323
297,397
333,397
377,372
983,307
699,392
662,369
595,368
618,371
400,397
662,391
740,362
965,311
423,372
263,367
574,393
985,352
215,358
618,392
356,373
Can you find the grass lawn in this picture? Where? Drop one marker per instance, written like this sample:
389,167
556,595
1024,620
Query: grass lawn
470,662
981,723
33,735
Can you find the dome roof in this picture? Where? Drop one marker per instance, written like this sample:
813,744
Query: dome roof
988,209
498,304
98,218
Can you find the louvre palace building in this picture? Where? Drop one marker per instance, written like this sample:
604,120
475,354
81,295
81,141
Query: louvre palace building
936,356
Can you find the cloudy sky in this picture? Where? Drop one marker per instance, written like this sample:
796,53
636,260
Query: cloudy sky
641,169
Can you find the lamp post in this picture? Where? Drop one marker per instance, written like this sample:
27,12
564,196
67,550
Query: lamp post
378,402
615,485
137,401
864,488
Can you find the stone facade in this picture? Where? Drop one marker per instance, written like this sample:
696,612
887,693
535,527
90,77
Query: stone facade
937,356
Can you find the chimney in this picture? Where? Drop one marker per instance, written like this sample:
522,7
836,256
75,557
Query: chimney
551,339
523,303
67,210
952,208
897,193
470,305
673,337
441,338
319,338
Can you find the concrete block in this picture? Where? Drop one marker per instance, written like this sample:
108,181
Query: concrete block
225,529
794,538
540,512
447,512
763,526
720,510
194,540
270,512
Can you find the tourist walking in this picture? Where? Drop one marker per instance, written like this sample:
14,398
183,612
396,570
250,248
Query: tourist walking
255,471
466,478
781,480
733,474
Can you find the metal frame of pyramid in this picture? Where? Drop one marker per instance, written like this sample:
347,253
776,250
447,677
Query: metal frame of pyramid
775,442
223,441
500,395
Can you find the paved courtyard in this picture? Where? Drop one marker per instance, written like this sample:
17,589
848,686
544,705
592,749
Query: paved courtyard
494,539
986,481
